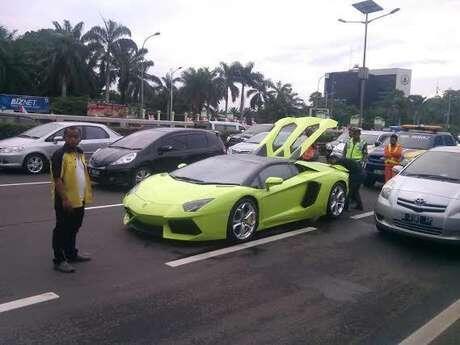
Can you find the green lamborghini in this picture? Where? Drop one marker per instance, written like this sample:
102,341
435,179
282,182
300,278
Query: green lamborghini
233,196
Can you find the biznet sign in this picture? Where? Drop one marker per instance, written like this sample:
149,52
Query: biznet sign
31,104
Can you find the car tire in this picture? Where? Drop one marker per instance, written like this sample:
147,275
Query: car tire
337,200
35,163
243,220
140,174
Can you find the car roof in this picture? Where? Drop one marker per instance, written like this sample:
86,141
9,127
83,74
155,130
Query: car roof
167,130
452,149
423,132
226,123
261,161
74,123
373,132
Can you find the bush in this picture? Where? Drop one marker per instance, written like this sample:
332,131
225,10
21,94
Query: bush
69,105
8,130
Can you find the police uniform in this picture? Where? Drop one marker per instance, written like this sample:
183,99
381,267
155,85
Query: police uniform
355,154
69,165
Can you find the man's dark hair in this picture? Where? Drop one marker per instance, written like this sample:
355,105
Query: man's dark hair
394,136
72,129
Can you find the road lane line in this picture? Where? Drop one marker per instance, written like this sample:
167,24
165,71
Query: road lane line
362,215
214,253
435,327
24,302
103,206
23,184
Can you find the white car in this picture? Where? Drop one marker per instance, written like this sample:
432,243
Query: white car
249,145
372,138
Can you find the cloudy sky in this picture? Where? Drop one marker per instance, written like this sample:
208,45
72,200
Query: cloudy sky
294,41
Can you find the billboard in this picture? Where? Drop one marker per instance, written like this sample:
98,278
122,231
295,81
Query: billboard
31,104
102,109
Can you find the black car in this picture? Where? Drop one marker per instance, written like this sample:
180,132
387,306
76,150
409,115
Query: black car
250,132
414,143
133,158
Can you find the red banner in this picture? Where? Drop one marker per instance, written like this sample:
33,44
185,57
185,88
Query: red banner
102,109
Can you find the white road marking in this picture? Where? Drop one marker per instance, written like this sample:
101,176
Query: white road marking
362,215
434,327
237,247
23,184
24,302
103,206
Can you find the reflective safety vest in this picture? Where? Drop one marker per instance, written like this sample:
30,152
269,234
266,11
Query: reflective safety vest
393,154
355,150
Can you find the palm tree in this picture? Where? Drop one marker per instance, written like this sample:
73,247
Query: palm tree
66,61
247,77
229,74
108,37
259,94
415,105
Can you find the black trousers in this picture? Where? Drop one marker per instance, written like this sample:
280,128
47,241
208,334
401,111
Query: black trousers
354,193
65,233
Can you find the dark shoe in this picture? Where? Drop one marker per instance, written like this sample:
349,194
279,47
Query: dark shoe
64,267
80,258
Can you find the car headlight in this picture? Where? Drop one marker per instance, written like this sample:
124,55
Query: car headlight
193,206
125,159
12,149
386,190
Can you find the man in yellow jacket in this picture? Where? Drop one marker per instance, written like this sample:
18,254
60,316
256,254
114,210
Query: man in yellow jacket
71,191
393,153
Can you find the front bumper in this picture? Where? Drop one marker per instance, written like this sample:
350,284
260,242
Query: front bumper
11,160
391,217
110,175
172,222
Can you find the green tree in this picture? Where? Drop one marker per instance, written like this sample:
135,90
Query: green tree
108,38
259,94
229,73
246,77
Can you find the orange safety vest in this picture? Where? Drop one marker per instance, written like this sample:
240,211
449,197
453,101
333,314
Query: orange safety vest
393,154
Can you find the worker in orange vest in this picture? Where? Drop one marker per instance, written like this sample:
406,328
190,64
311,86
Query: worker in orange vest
393,154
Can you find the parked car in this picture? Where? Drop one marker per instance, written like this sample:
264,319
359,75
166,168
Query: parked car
32,149
249,145
423,200
414,142
372,138
251,131
136,156
224,126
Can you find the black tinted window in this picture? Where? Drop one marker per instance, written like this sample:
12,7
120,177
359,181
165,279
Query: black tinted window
449,141
438,141
285,171
197,141
95,133
282,136
138,140
178,142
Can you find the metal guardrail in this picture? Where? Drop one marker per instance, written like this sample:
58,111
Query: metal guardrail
122,122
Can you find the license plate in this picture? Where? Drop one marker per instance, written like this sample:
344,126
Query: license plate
95,172
417,219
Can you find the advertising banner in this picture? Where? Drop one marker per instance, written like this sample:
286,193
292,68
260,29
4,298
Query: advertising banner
102,109
30,104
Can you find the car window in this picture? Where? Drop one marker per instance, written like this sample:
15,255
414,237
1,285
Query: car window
418,141
59,133
449,141
138,140
283,135
93,133
435,165
285,171
197,141
178,142
438,141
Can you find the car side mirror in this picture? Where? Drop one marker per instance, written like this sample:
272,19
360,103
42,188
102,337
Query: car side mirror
181,165
273,181
377,143
165,148
397,169
57,139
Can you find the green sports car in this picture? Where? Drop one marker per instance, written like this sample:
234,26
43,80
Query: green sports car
233,196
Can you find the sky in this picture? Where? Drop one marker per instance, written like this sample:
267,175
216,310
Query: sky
294,41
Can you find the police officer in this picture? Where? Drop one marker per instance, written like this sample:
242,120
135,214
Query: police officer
355,153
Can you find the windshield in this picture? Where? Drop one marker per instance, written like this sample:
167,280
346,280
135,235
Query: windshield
370,139
40,131
217,170
258,129
418,141
138,140
256,139
436,165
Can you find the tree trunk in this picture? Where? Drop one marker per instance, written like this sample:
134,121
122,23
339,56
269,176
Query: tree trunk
226,101
64,87
107,78
242,101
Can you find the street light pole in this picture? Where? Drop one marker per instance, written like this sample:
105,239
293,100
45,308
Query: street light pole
171,75
142,72
366,7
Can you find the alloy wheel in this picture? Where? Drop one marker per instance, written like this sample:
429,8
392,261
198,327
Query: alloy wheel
244,220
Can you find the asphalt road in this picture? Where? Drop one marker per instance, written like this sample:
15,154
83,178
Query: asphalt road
341,284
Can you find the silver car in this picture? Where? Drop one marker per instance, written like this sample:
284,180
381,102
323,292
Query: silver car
32,149
423,200
249,145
